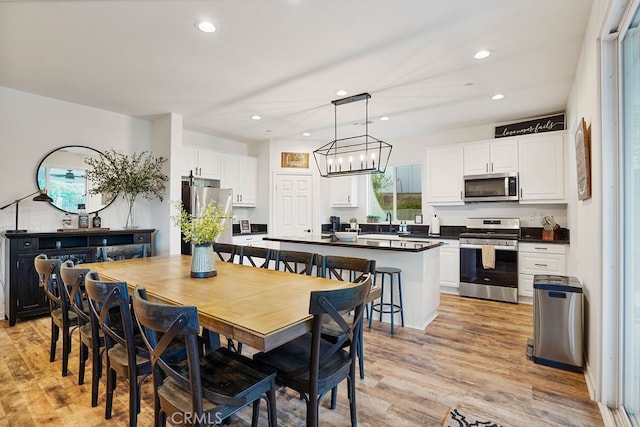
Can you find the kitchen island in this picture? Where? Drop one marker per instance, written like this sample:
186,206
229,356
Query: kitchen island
419,260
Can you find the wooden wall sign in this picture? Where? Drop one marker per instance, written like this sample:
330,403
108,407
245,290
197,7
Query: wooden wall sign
294,160
543,124
583,159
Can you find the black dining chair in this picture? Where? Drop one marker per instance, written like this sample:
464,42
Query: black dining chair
91,336
109,302
349,269
207,387
127,355
227,252
297,261
63,318
255,256
310,364
118,252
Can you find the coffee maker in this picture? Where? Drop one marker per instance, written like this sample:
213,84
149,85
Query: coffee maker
335,223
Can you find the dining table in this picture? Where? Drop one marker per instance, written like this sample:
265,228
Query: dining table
259,307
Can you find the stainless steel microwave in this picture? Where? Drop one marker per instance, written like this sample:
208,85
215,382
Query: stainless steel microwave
495,187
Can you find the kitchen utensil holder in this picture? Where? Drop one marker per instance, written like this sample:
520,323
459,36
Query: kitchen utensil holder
548,234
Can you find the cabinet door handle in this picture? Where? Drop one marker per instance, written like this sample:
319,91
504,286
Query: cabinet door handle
491,166
521,192
541,265
486,167
541,249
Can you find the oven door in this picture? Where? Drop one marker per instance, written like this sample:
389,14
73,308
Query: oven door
505,273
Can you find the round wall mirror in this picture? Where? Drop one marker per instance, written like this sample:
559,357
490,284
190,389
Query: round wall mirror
63,173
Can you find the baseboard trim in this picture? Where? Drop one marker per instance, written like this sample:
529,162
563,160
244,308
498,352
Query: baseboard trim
614,417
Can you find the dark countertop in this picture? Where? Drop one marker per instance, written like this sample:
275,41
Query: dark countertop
405,245
528,234
534,235
255,229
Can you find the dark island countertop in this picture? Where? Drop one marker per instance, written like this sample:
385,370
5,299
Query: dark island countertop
404,245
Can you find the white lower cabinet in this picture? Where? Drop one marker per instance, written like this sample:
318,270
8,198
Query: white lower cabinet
449,264
539,258
248,239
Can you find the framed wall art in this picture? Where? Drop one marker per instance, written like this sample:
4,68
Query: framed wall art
583,159
245,226
294,160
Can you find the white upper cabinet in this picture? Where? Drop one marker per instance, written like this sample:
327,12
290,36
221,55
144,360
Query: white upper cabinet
201,162
541,168
444,175
240,173
495,156
344,191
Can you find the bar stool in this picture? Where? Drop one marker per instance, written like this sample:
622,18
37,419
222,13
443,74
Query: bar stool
391,307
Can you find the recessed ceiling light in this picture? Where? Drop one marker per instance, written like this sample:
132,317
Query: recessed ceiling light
205,26
306,134
341,92
497,96
481,54
384,118
255,117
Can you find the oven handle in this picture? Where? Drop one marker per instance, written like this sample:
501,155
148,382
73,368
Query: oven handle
498,248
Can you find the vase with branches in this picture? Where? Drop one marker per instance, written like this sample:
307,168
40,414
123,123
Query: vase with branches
138,174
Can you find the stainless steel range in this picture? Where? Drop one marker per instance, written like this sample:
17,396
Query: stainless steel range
489,259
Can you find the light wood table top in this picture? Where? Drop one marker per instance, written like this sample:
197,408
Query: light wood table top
259,307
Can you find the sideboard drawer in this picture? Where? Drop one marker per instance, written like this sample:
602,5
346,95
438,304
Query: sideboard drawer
141,238
28,244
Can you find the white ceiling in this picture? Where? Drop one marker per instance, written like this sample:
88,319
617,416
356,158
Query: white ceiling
284,60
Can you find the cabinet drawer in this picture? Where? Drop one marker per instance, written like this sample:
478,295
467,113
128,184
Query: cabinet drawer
29,244
541,263
142,238
543,248
245,240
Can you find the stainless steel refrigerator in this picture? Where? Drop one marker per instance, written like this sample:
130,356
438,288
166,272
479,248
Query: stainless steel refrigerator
196,197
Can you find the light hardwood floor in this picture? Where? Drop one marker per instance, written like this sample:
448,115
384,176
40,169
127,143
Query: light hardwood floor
472,357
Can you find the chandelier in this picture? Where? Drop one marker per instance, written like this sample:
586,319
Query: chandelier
355,155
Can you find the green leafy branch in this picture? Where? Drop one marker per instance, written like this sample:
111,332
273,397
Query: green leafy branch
202,229
138,174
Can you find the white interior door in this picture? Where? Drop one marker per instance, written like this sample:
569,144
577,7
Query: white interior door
293,205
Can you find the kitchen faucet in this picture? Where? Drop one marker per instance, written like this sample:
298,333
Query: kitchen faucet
389,219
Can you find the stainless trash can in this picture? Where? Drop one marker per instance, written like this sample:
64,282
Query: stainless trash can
557,316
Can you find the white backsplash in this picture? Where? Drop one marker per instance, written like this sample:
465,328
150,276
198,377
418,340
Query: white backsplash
529,215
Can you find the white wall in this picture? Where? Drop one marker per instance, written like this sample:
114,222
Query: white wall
585,217
30,127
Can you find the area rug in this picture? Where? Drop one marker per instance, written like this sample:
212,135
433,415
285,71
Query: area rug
461,418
